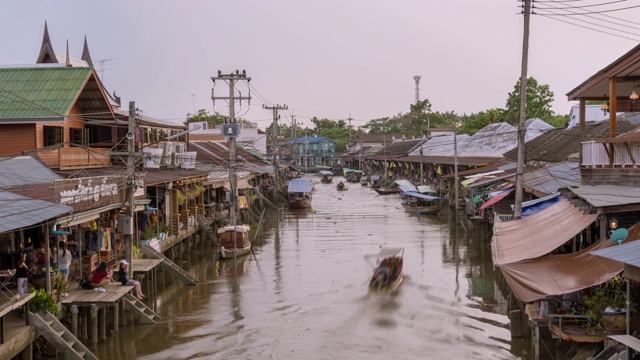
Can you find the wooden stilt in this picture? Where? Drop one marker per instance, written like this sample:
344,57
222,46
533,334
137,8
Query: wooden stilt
27,353
116,313
84,314
102,331
74,320
93,310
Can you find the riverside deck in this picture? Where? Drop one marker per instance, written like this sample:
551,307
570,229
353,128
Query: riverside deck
148,268
15,332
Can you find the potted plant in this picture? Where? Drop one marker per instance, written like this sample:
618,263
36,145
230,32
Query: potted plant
43,302
606,305
60,287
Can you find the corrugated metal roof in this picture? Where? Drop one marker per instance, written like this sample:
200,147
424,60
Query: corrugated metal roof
40,92
627,253
556,145
19,212
606,195
593,113
24,170
549,180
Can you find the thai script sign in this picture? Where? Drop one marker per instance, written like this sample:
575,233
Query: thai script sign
91,192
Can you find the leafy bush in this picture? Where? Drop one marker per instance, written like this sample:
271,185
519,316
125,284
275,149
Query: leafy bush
43,302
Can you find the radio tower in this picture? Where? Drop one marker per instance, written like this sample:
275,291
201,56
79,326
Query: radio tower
417,79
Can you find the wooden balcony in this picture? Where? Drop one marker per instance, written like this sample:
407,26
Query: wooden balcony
610,163
70,158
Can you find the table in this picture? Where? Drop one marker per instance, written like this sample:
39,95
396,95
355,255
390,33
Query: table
6,277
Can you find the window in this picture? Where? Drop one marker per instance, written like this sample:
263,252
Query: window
79,136
53,135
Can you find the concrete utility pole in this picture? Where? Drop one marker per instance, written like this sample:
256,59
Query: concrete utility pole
231,80
294,149
131,182
523,107
274,141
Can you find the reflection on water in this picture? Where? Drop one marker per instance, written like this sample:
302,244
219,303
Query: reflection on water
304,294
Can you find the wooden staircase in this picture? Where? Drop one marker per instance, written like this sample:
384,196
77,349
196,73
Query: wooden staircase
144,313
60,337
207,229
169,265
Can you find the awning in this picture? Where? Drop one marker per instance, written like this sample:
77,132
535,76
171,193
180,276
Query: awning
408,188
325,172
88,215
18,211
242,184
495,199
531,280
538,234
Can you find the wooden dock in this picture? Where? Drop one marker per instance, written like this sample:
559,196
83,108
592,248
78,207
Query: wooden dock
147,268
82,297
16,334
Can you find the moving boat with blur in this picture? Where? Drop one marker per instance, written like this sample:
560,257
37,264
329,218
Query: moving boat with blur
299,193
234,241
387,273
327,176
341,186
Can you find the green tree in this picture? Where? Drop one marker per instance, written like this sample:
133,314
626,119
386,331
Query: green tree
203,115
475,122
539,99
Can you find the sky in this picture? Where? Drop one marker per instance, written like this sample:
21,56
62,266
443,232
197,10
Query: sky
329,59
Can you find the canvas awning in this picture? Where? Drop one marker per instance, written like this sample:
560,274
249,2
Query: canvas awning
538,234
534,279
495,199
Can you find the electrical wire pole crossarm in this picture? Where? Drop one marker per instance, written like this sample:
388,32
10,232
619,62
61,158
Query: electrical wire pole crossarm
231,79
274,141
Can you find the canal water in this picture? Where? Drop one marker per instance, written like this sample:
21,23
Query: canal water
304,295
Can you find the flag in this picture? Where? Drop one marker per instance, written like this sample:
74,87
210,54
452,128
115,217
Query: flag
439,170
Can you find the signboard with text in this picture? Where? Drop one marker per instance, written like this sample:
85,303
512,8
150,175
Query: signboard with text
230,130
90,192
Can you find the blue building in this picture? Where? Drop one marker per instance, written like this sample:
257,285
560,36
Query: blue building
310,151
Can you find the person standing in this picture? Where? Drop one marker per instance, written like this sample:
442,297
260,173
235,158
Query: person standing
22,274
64,262
123,275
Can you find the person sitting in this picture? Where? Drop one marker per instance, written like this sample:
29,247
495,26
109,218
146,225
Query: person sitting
123,275
100,277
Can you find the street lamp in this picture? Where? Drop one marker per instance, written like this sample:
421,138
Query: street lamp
605,108
613,223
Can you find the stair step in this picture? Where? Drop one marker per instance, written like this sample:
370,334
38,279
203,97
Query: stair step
60,332
49,322
71,342
81,353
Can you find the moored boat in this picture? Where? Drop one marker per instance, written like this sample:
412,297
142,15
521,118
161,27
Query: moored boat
418,203
299,193
375,181
387,274
234,241
386,191
341,186
364,181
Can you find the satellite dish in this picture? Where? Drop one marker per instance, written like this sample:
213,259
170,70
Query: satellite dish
619,235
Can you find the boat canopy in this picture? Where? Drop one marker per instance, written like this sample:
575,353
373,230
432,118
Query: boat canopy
403,182
294,169
408,188
325,172
322,167
426,189
300,186
347,170
421,196
375,177
391,251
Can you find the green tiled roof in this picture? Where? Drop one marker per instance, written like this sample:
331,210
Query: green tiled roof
43,92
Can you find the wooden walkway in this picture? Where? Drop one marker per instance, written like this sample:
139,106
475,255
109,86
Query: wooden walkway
17,335
83,297
148,268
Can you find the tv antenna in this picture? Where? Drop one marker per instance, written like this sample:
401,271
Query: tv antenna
102,69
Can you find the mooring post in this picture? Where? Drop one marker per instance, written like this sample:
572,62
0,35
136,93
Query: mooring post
84,314
102,313
74,320
94,326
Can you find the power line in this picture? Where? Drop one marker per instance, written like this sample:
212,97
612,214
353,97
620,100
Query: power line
586,27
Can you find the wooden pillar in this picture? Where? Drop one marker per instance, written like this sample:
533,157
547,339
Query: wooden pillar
74,320
175,213
27,352
116,313
102,331
83,324
613,106
93,311
123,313
603,227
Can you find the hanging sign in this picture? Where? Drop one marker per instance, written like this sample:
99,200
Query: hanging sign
230,130
90,192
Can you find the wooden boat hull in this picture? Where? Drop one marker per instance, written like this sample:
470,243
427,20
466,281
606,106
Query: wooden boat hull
300,204
326,181
423,210
231,244
386,191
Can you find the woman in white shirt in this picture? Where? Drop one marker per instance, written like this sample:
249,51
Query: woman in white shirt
64,261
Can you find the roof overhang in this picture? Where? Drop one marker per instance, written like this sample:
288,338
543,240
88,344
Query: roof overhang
625,69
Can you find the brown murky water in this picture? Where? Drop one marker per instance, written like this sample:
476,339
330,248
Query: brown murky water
304,295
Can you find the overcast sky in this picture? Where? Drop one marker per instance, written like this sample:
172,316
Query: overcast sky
328,58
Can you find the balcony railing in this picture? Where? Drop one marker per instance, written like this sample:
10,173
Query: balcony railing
594,154
78,158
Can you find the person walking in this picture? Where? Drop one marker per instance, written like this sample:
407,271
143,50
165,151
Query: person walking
123,275
64,262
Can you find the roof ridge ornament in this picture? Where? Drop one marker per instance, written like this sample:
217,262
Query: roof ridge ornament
47,55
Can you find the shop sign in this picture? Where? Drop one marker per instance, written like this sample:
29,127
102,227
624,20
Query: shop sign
90,192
